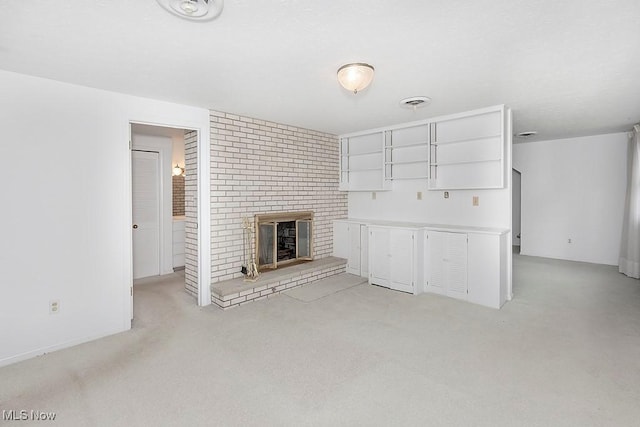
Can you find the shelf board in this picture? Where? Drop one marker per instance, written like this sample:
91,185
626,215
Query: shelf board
465,162
362,170
487,187
364,153
405,178
416,144
406,162
459,141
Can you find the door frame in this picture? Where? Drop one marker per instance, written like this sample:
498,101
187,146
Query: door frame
513,204
203,222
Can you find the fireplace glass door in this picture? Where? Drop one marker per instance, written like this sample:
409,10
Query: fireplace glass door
284,240
303,239
266,243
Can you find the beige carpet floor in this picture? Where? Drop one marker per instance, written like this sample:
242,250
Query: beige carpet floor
564,352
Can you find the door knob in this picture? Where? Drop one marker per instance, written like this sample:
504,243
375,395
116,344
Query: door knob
135,225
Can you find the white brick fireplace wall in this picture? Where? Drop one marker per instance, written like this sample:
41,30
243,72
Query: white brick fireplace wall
261,167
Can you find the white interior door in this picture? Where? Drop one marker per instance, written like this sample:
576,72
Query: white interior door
146,213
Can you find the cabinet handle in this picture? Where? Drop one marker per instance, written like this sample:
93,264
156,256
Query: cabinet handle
135,226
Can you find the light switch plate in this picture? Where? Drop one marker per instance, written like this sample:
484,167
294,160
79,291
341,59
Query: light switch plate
476,201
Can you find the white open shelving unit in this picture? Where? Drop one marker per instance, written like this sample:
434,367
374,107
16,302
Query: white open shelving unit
462,151
467,152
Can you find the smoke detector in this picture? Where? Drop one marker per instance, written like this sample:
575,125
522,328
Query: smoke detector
194,10
415,102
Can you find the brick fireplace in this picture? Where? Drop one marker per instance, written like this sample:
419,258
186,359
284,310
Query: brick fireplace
264,168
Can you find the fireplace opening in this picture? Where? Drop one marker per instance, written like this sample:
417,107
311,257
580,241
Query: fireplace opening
286,240
283,239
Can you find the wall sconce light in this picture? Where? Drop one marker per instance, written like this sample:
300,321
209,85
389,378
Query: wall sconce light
356,76
178,171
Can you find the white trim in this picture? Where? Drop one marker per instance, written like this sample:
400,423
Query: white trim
508,159
204,217
43,350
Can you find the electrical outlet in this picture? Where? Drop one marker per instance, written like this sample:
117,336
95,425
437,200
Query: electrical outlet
476,201
569,241
446,194
54,306
419,195
373,195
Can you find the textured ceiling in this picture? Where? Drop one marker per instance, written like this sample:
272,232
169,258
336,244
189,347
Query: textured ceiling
566,68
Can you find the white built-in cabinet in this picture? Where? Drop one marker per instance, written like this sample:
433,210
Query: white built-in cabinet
462,151
393,258
468,263
350,241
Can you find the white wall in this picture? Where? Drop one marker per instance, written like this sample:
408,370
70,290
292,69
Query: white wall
401,204
67,209
177,156
573,189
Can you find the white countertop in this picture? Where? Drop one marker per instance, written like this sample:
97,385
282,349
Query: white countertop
435,227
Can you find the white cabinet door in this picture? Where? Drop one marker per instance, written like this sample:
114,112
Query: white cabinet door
379,264
456,265
364,251
484,270
446,271
435,272
392,258
340,239
353,260
401,260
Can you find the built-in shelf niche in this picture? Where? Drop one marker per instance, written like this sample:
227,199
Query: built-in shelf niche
407,153
467,152
361,162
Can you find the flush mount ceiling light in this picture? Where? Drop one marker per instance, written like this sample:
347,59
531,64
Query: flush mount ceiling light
527,134
415,102
194,10
356,76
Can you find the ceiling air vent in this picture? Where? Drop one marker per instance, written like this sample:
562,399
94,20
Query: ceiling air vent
415,102
194,10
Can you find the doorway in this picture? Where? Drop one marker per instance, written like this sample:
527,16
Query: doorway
159,174
516,210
